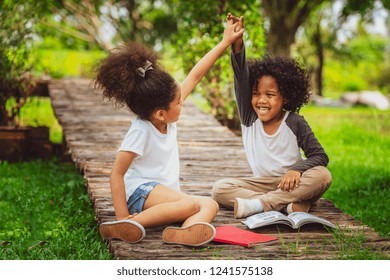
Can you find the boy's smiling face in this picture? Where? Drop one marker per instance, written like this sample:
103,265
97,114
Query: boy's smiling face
267,100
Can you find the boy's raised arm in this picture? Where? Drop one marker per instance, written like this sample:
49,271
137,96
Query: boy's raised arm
230,35
237,44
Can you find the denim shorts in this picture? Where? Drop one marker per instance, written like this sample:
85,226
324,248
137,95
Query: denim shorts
136,202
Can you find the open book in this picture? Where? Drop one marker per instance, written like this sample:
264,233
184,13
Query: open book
294,220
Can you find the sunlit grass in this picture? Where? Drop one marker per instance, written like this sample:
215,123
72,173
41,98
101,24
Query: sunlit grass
358,144
38,112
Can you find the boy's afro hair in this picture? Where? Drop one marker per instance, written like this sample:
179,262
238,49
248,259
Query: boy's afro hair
292,79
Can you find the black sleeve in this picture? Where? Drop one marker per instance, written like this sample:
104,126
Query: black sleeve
314,152
242,88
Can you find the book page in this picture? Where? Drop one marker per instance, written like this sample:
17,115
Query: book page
266,218
301,218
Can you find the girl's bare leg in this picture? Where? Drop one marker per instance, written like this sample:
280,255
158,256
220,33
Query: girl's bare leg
165,206
208,209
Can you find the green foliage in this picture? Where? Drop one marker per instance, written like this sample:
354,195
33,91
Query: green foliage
15,33
46,213
355,66
358,144
67,63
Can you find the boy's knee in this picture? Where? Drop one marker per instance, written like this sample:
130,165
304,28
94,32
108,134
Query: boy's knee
326,176
321,176
219,188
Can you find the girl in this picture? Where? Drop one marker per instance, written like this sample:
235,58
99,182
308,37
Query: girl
145,176
270,93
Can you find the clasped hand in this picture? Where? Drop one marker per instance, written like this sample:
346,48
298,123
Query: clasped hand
290,181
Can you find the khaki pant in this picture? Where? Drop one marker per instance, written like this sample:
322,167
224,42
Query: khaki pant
313,183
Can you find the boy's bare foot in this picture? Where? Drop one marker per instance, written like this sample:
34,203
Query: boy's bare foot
125,230
196,234
303,206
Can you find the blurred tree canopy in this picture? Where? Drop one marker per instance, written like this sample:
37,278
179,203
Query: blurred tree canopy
16,34
186,30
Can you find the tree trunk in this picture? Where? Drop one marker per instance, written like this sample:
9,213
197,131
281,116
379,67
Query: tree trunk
317,40
285,17
279,40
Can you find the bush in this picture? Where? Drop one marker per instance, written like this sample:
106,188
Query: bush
66,63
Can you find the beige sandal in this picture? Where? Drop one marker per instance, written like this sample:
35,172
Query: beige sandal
125,230
196,234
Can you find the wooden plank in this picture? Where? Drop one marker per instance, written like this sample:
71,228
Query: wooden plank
93,131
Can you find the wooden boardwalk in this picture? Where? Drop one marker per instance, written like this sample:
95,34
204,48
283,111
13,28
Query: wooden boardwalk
93,130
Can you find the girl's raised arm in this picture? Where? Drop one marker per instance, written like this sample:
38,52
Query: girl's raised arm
203,65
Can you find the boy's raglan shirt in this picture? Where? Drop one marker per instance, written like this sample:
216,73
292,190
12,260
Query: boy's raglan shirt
273,155
157,156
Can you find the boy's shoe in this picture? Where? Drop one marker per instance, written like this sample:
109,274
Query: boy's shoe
303,206
196,234
125,230
246,207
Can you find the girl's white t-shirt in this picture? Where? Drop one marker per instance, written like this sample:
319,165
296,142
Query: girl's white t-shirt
157,156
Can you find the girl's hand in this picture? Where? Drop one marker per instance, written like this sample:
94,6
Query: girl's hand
235,19
233,31
290,181
237,44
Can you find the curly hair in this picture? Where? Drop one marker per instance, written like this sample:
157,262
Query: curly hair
120,81
291,77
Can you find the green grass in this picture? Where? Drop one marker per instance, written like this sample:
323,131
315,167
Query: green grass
358,144
347,245
46,213
37,111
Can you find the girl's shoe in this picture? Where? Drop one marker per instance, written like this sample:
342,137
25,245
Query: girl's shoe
196,234
125,230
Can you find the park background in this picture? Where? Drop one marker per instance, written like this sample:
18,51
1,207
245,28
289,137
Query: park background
45,212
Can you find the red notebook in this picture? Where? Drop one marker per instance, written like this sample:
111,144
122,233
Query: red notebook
237,236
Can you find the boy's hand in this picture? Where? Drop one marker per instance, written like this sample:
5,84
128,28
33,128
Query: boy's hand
237,44
290,181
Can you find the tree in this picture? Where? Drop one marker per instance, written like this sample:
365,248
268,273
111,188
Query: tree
320,33
285,17
16,32
109,22
189,28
